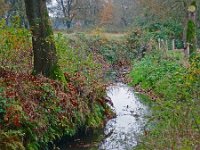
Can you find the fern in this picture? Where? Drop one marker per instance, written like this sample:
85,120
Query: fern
11,140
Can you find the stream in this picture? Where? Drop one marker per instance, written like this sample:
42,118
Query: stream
121,132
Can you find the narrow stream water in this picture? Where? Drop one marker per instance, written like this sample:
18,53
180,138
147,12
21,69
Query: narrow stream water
129,122
120,133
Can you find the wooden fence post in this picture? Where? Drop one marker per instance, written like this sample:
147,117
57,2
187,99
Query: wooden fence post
173,44
166,45
187,50
159,44
162,44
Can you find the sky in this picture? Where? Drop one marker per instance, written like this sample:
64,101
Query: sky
54,2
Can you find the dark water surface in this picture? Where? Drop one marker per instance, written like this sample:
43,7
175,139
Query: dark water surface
120,133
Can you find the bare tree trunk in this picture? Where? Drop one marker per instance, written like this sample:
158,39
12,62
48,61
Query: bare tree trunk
124,21
67,12
44,50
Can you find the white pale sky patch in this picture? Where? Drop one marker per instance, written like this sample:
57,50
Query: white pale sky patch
53,3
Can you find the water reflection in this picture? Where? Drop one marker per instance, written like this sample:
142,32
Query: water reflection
122,132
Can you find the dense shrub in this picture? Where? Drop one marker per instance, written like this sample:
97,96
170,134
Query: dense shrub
140,42
114,51
43,110
15,47
35,110
144,37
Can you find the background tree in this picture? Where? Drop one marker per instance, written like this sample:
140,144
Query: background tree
67,10
176,10
107,13
16,8
45,58
89,12
3,7
124,12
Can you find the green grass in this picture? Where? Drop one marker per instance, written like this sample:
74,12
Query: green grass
175,117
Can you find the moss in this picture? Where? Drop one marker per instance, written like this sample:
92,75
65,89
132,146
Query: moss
191,36
194,4
57,74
